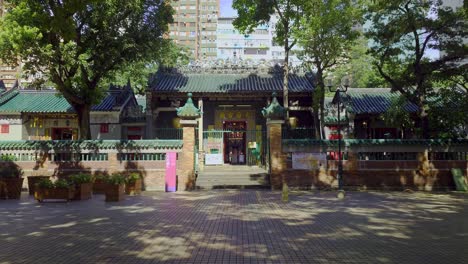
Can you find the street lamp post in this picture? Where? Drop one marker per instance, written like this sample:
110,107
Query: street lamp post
342,88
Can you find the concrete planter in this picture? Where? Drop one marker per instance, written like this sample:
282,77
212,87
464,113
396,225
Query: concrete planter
99,186
11,187
83,191
114,193
32,181
42,194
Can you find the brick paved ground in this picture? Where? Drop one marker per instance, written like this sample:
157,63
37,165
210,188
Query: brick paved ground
245,226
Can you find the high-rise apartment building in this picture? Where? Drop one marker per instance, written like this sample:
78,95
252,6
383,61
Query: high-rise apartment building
257,45
194,27
8,74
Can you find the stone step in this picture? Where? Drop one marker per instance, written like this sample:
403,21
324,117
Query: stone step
232,177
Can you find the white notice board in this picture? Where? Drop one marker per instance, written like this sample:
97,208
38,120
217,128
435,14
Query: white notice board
308,161
214,159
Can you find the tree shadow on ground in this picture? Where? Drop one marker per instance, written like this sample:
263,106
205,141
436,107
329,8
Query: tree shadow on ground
239,226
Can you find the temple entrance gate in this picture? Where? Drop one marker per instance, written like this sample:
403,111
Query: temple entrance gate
235,145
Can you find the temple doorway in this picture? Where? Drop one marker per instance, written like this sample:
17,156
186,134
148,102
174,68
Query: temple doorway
235,142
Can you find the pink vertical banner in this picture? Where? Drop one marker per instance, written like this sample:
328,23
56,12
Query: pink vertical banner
171,165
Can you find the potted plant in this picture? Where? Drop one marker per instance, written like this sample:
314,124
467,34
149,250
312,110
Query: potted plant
11,181
83,185
61,189
133,184
32,181
99,184
115,188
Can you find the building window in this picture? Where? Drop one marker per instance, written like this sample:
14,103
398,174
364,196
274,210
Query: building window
104,128
5,129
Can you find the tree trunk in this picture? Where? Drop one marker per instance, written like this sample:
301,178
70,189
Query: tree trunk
83,112
286,79
424,119
317,105
321,86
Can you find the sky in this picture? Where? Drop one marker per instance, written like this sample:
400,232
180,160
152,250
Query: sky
226,8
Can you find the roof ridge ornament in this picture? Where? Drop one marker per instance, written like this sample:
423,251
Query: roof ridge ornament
232,67
274,111
188,111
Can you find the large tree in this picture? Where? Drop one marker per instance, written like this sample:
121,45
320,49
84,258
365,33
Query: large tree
139,72
77,43
402,33
327,33
252,13
359,66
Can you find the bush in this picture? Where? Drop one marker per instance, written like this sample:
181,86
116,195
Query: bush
101,177
48,184
62,183
7,157
132,178
10,170
116,179
80,178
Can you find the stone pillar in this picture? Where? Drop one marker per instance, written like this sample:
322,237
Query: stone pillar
201,150
188,115
113,163
275,115
186,162
149,116
277,158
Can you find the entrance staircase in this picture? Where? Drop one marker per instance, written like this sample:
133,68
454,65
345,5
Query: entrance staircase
233,177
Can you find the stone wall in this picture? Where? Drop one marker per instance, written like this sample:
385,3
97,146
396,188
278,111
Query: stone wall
421,174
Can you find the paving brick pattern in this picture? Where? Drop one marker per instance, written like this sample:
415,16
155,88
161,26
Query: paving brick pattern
238,226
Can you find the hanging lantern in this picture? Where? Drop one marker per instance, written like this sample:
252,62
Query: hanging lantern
176,122
293,122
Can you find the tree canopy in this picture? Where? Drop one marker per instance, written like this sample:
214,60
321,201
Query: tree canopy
252,13
326,34
77,43
402,32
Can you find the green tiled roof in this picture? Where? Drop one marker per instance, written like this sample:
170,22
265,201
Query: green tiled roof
90,144
274,110
35,102
374,142
49,101
188,111
228,83
372,100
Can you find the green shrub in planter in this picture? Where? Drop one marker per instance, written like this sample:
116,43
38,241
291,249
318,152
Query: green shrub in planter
45,184
99,183
115,187
10,180
83,185
115,179
80,178
133,184
61,189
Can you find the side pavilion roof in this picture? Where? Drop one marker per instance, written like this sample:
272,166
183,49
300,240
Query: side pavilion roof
50,101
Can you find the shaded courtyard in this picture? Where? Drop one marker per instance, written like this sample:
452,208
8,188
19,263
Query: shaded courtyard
238,226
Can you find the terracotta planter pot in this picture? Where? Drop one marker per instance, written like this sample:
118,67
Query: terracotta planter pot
83,191
133,188
99,187
12,187
59,193
115,193
32,180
